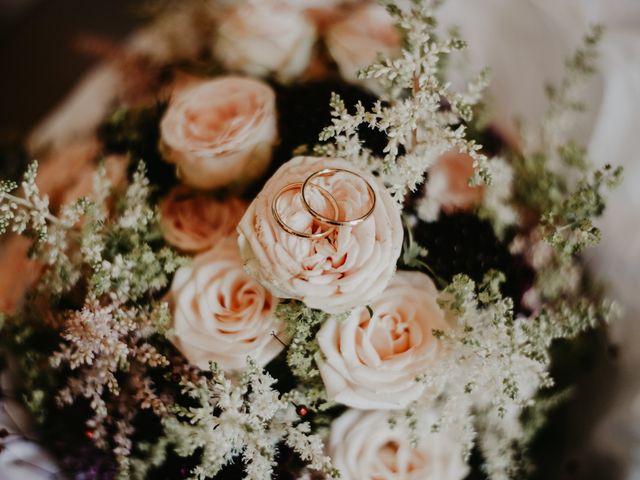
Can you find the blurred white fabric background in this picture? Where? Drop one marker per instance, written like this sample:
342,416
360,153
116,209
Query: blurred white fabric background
525,43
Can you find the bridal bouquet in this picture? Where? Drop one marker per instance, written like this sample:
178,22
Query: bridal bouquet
293,250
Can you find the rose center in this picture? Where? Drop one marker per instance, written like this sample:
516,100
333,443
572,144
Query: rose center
398,461
388,333
241,300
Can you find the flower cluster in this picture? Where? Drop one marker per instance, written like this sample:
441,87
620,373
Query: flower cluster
251,420
229,305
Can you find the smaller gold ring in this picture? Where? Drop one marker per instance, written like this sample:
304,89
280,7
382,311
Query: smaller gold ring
291,231
331,221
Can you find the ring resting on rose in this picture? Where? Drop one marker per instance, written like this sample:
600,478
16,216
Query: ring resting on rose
332,222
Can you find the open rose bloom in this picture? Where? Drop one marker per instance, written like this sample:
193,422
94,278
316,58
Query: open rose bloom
220,132
365,447
349,268
264,38
284,272
372,360
221,314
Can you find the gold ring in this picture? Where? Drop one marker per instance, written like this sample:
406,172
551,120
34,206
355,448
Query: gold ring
287,228
334,221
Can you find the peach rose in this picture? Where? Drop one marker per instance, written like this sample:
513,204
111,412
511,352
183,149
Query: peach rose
66,174
364,446
63,168
449,182
220,313
195,222
18,272
372,361
264,38
355,41
115,167
348,268
324,13
220,132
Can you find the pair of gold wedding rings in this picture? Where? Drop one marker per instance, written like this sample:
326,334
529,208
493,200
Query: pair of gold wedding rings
333,222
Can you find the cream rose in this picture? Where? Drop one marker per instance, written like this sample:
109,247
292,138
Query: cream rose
195,222
220,132
221,314
350,267
355,41
372,361
264,38
364,446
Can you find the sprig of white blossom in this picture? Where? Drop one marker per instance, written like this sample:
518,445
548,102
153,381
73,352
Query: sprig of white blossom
241,418
103,248
566,99
422,117
557,180
569,225
28,214
493,367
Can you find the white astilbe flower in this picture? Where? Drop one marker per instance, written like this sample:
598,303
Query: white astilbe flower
126,274
565,100
310,448
29,214
421,116
497,201
100,341
493,367
246,418
557,180
96,329
138,213
103,249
